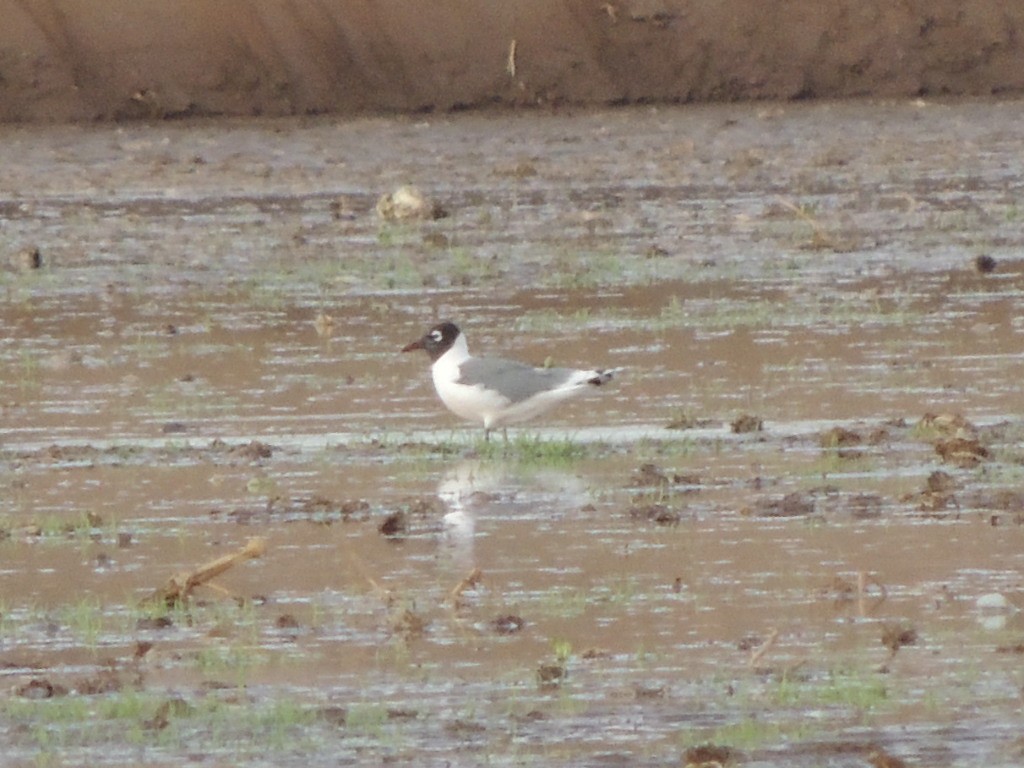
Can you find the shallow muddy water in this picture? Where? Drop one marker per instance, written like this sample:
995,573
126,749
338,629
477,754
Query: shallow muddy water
209,353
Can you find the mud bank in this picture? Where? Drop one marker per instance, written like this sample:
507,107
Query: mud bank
75,60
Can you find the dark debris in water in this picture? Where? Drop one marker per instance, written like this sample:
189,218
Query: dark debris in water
660,514
896,636
407,622
1017,648
937,498
794,504
322,509
315,509
685,421
142,647
650,475
128,453
551,675
395,524
641,691
828,752
154,623
946,424
462,728
408,203
508,624
421,511
745,423
823,500
962,452
879,758
841,590
845,442
710,756
41,688
402,713
111,678
940,482
840,437
984,264
27,259
865,506
251,451
166,712
333,715
254,450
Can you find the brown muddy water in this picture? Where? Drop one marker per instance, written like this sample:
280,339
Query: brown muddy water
208,353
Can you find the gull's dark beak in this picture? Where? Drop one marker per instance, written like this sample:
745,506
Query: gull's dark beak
418,344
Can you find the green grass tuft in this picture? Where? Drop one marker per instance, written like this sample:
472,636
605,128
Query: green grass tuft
531,448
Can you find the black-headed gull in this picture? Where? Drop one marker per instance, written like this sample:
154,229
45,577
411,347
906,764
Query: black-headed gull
496,392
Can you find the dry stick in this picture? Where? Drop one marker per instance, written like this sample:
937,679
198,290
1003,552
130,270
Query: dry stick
467,583
758,653
385,594
400,618
820,236
181,585
455,599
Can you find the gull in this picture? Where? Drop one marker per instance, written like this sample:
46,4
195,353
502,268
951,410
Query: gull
496,392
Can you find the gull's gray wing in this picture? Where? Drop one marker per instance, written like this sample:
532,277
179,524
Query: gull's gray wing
516,381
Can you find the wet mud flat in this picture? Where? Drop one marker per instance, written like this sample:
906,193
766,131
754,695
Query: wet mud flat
790,535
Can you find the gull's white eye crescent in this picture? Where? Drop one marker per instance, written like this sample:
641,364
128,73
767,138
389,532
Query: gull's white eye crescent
435,335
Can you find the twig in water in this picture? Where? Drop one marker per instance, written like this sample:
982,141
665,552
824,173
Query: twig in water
469,582
758,653
180,586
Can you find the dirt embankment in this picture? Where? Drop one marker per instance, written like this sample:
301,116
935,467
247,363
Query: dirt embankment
121,59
